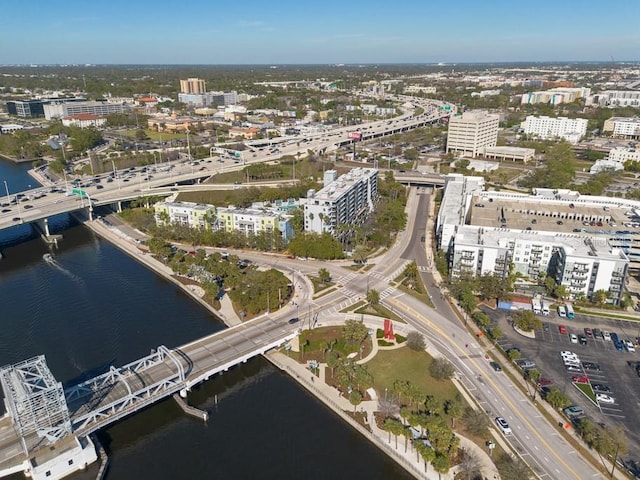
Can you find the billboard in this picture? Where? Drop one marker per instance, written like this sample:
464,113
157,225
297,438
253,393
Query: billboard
355,135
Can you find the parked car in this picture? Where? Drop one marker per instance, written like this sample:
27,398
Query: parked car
503,425
582,339
600,387
606,335
544,382
562,329
588,332
574,338
591,366
574,411
597,333
580,379
628,345
603,398
562,312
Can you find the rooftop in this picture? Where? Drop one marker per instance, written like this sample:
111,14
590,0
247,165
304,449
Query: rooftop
343,183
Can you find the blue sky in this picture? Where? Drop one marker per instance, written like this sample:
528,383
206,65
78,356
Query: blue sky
328,31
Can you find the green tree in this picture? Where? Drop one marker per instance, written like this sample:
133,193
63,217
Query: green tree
354,332
373,297
533,375
561,292
558,399
355,397
453,408
600,296
324,276
411,271
513,354
495,333
526,320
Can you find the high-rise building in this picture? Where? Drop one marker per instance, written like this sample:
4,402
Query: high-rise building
470,132
346,200
192,85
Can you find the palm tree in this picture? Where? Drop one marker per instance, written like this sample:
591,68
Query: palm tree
373,297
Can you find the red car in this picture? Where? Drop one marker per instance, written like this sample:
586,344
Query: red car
563,329
543,382
588,332
580,379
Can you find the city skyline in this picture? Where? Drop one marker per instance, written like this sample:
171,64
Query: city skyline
332,32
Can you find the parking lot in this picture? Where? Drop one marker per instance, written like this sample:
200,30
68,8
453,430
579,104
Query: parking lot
613,371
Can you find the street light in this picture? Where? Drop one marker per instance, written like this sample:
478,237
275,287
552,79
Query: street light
7,188
115,173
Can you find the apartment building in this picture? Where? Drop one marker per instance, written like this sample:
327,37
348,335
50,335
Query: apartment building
84,120
615,98
587,243
470,132
68,109
623,154
622,127
570,129
555,96
192,85
578,262
209,98
253,221
195,215
347,199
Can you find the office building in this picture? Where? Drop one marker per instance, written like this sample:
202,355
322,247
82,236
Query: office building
570,129
208,98
622,127
192,85
470,132
345,200
26,108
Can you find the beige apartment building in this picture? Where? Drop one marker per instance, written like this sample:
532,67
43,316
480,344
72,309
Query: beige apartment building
472,131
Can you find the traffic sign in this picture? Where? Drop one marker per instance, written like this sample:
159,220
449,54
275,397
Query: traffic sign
79,191
237,154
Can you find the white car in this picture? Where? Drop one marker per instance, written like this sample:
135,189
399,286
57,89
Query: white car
606,335
628,345
503,425
603,398
574,338
568,354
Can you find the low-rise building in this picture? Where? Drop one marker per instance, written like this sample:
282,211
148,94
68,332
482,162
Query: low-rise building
253,221
623,154
195,215
84,120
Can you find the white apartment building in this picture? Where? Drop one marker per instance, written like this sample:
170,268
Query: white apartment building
347,200
570,129
623,154
622,127
470,132
549,231
455,204
615,98
61,110
253,221
578,262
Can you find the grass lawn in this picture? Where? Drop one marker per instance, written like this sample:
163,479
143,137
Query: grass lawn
318,339
352,307
379,311
319,286
587,390
405,364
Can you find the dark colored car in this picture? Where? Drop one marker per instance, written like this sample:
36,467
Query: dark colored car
293,320
496,366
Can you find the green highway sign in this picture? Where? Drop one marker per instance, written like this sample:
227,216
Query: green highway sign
79,191
238,154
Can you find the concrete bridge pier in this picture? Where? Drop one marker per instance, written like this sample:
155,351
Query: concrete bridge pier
42,227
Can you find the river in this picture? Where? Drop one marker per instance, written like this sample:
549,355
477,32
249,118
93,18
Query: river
94,306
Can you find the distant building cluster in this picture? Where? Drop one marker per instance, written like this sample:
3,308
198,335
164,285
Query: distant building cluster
344,200
575,239
543,127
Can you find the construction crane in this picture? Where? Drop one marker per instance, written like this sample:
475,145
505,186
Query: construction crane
615,74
